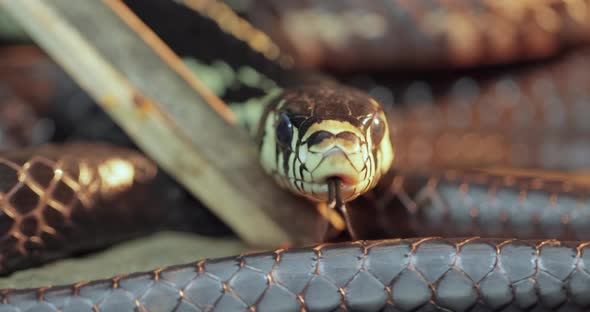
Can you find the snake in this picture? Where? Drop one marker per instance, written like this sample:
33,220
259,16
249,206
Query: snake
480,165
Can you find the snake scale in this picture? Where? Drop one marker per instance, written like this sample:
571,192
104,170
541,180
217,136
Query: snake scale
458,133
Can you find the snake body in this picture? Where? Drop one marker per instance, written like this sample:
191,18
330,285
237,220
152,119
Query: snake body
426,274
433,182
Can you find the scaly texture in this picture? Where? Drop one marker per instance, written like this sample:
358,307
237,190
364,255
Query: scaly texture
422,33
395,275
533,116
58,199
484,204
430,273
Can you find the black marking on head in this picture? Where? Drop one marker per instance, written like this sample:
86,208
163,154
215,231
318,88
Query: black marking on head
302,168
277,154
294,169
318,137
297,120
286,165
296,159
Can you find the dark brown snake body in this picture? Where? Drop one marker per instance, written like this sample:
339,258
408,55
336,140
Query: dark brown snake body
452,137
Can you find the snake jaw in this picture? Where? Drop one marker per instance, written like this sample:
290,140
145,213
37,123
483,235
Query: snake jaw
319,192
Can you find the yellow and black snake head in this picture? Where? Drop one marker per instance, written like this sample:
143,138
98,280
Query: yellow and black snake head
311,134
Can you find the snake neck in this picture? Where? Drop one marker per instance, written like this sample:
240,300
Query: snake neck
250,113
309,130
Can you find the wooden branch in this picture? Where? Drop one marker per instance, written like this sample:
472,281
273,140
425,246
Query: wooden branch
159,102
11,30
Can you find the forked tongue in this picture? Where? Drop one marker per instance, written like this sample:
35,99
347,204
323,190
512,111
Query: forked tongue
335,203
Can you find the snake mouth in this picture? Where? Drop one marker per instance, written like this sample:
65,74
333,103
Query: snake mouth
319,191
344,179
316,188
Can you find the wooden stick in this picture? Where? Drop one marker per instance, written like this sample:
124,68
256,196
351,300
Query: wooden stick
150,93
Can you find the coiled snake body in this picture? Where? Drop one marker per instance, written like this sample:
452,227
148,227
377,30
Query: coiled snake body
456,140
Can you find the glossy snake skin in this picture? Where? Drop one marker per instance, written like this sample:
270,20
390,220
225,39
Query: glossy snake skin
395,275
453,133
422,33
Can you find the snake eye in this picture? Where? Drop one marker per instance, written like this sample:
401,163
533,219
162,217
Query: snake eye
284,130
377,130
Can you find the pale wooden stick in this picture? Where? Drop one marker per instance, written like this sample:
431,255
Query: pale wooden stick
150,93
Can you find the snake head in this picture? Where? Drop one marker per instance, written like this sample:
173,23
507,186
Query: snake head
312,134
